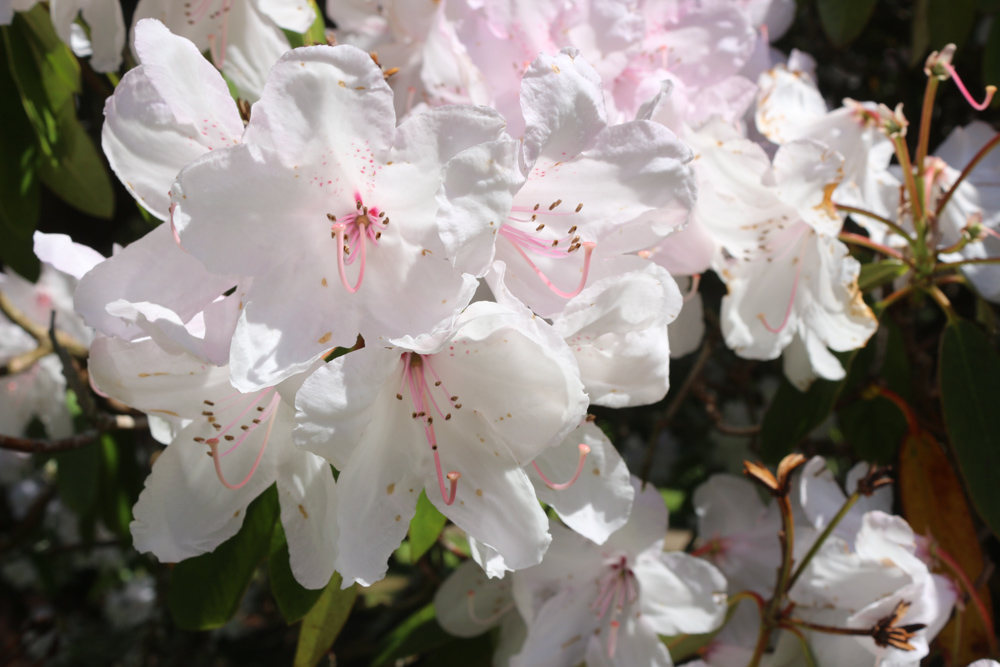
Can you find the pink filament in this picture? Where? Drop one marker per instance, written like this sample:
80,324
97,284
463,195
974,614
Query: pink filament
791,302
213,443
219,58
233,423
417,386
584,450
990,90
588,249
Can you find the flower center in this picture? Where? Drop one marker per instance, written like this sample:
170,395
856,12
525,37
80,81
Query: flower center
557,246
352,232
422,397
616,590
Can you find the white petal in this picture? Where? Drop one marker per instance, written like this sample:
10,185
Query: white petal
636,644
806,172
600,501
253,45
294,15
61,252
467,588
308,497
681,594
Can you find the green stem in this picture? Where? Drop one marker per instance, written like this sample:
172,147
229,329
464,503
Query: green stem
893,298
935,293
874,216
925,119
916,203
848,504
945,266
806,652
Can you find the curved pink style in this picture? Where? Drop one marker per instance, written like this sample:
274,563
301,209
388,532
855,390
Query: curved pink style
584,450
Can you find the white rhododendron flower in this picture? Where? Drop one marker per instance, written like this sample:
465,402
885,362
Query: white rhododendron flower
606,604
327,200
457,413
193,502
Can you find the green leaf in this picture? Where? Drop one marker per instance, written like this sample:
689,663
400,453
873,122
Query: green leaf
876,274
294,600
969,377
950,22
19,198
418,634
475,652
205,591
843,20
795,414
78,477
317,31
79,178
324,622
48,77
116,490
425,527
19,254
875,428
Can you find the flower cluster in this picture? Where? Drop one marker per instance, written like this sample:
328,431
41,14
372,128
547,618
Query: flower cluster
407,262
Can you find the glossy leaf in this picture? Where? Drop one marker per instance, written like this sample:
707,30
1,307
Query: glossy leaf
794,414
425,527
205,591
843,20
969,372
934,504
79,178
294,600
324,622
418,634
950,22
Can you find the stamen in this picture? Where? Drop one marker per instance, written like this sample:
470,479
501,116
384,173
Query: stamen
489,620
584,450
339,229
588,248
213,443
990,90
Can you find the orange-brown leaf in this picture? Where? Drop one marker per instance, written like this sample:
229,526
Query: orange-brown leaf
934,504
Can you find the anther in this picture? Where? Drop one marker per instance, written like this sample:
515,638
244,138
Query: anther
255,421
554,204
206,413
540,227
208,402
454,398
230,438
357,205
399,396
260,408
331,217
199,439
438,383
536,207
447,416
579,207
572,230
458,406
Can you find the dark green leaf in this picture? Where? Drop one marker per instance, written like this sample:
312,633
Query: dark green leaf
843,20
114,495
950,22
19,254
324,622
78,474
294,600
418,634
18,161
425,527
205,591
874,427
988,6
793,415
79,178
876,274
969,375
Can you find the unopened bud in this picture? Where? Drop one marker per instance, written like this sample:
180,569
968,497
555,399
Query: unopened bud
893,122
